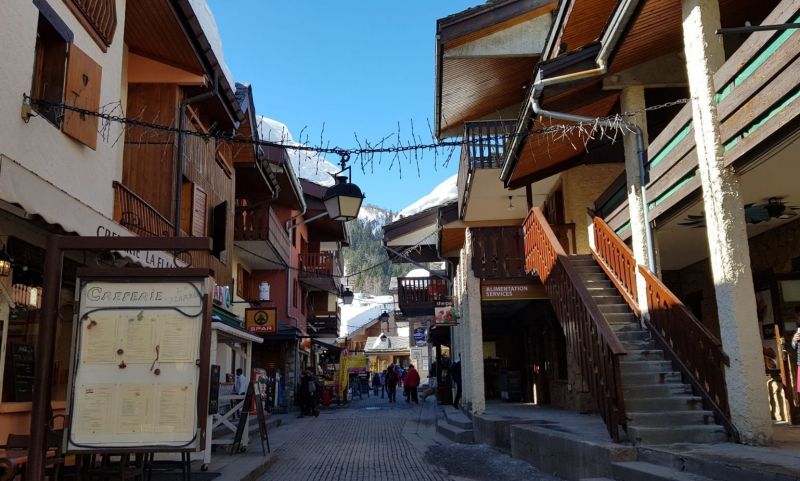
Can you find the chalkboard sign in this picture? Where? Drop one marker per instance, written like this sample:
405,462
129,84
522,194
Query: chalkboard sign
262,425
22,360
213,401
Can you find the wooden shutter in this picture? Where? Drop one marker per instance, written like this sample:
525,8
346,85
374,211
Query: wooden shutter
242,282
83,91
199,212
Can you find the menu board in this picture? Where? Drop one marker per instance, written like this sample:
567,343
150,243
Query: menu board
22,361
136,371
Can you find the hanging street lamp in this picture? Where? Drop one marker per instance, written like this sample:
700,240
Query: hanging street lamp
347,296
343,199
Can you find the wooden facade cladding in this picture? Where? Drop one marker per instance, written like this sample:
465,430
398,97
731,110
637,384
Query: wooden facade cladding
498,252
757,97
99,18
148,178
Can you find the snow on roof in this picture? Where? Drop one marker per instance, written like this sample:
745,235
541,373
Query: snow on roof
418,273
363,310
206,19
441,194
308,165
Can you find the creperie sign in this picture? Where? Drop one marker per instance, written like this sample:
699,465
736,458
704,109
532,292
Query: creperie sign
512,291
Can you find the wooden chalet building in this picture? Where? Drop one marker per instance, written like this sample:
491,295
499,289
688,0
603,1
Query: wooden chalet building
62,172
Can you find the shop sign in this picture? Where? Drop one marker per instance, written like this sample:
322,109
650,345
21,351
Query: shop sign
419,336
512,290
448,316
261,320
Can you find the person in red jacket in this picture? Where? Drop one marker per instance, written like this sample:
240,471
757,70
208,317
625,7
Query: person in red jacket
411,381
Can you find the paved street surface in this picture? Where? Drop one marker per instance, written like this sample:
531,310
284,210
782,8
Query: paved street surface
374,440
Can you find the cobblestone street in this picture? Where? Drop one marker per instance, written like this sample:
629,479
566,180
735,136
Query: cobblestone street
374,440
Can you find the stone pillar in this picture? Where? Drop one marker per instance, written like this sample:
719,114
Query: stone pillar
726,228
474,340
632,100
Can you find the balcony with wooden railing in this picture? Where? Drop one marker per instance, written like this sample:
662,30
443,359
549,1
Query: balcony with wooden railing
483,147
321,270
590,339
498,252
139,217
420,296
693,349
262,224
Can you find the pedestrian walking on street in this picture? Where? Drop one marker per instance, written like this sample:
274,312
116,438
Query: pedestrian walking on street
391,383
376,383
383,382
308,395
411,384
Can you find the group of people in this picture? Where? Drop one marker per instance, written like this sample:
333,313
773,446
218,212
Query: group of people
308,392
393,377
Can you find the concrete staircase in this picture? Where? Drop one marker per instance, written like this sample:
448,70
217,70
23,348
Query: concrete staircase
454,425
660,408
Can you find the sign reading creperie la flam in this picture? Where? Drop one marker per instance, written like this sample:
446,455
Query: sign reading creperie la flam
512,290
261,321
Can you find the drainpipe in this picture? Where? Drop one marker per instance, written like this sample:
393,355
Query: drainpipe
181,138
609,41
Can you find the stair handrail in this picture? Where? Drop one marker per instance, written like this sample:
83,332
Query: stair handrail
691,346
617,261
592,341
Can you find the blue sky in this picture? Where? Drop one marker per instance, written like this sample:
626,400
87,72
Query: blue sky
356,65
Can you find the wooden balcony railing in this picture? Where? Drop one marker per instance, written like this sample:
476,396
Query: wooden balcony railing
318,264
590,339
136,215
695,351
498,252
261,223
483,147
617,261
420,295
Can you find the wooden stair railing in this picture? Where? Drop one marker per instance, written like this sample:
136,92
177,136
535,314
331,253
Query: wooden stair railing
693,349
589,337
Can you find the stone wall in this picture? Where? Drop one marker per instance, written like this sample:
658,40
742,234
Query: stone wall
582,185
773,250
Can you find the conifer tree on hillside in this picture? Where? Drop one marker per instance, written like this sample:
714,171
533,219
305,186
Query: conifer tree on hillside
366,250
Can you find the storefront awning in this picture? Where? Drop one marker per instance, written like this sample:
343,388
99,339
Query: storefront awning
38,196
236,332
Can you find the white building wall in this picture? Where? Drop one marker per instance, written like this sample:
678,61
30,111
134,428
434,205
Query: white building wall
39,145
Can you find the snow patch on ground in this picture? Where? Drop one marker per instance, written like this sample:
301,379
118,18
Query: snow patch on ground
441,194
310,165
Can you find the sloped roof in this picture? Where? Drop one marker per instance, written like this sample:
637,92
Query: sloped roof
386,344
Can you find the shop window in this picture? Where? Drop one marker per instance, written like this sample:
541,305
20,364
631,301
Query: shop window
98,17
62,72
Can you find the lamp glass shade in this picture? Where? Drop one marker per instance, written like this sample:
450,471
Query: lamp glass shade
347,297
343,200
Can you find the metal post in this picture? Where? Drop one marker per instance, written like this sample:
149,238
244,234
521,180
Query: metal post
43,367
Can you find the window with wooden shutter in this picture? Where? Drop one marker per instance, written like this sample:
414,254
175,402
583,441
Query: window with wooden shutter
199,212
98,17
82,91
49,68
242,282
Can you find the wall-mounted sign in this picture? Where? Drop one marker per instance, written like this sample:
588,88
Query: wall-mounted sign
136,364
419,336
261,321
512,290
